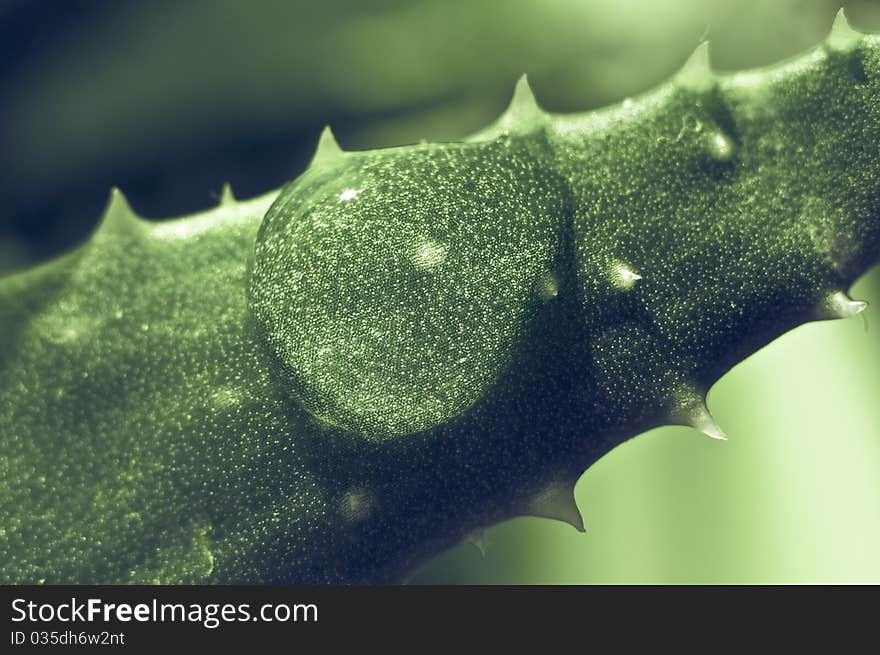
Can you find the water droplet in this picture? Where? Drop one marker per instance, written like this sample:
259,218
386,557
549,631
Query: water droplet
429,254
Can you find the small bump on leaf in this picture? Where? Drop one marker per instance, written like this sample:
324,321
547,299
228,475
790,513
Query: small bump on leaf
227,198
720,146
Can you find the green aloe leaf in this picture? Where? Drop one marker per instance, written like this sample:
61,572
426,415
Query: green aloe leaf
334,381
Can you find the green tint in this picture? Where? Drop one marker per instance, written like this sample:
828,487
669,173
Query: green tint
153,437
792,497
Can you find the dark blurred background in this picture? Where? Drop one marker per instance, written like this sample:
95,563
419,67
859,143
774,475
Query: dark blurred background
170,99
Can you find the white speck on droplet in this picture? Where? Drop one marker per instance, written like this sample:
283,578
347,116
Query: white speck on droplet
623,277
429,254
226,397
119,314
548,286
349,194
145,326
356,504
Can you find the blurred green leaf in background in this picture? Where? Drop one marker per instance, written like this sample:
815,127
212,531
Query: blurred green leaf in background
169,99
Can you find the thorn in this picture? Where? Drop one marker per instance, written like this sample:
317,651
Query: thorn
842,36
701,419
328,149
226,195
479,539
523,106
521,114
118,214
117,202
705,35
691,410
840,305
697,70
556,501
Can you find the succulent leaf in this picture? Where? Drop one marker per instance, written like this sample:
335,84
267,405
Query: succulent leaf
334,381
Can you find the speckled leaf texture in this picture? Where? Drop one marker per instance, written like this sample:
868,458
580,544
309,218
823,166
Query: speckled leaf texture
334,382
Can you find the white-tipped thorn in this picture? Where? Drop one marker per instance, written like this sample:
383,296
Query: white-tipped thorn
842,35
701,419
697,70
521,114
118,214
840,305
523,105
556,501
226,195
691,409
328,149
479,539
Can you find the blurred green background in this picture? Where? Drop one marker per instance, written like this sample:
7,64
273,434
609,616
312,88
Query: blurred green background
169,99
